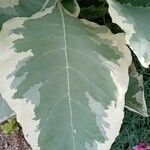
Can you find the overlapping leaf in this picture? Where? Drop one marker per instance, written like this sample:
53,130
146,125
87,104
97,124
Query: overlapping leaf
133,17
5,110
135,99
66,80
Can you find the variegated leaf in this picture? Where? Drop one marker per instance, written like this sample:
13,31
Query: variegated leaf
66,79
133,17
5,110
16,8
22,8
135,99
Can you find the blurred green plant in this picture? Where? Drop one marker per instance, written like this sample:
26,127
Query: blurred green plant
92,12
10,126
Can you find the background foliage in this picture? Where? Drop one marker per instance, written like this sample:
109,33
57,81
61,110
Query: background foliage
135,128
10,126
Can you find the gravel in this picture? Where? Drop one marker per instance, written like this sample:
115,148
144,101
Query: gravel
14,141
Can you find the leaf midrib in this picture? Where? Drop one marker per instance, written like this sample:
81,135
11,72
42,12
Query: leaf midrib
67,70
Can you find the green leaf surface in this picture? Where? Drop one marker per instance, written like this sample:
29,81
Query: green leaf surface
133,18
66,80
135,99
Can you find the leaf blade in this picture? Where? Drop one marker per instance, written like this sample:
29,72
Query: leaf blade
135,99
41,84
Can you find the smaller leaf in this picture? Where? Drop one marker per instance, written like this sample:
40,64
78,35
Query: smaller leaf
131,16
135,99
5,111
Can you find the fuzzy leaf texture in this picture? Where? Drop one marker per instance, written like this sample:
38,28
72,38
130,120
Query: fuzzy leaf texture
65,79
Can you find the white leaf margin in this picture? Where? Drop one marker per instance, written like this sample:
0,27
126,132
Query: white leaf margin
11,59
9,3
121,80
8,63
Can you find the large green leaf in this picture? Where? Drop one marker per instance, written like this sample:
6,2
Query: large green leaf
66,80
133,17
5,110
135,99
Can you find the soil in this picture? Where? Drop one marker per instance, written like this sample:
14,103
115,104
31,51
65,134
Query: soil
14,141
